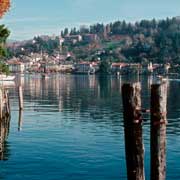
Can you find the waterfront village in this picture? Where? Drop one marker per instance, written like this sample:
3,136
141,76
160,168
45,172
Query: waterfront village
115,48
64,62
35,63
42,62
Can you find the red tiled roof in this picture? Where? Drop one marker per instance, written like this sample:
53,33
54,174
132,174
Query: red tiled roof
119,64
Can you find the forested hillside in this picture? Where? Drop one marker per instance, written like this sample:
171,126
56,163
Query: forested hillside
147,40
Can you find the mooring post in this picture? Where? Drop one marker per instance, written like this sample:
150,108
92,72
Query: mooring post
4,131
131,95
158,131
20,93
9,106
7,103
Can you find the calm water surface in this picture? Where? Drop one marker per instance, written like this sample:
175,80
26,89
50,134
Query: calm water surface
72,129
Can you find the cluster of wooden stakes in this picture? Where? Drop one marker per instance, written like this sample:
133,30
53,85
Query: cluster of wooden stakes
5,116
131,95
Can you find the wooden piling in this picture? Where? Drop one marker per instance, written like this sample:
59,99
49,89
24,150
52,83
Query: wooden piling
158,131
9,106
7,103
20,94
131,94
4,120
4,131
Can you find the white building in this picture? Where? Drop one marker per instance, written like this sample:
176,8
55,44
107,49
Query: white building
16,66
73,39
86,68
66,67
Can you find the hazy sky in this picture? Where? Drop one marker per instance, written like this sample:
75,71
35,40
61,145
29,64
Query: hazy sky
29,18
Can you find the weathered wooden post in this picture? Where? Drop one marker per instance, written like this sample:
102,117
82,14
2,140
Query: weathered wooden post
158,131
20,93
4,119
4,131
131,94
7,104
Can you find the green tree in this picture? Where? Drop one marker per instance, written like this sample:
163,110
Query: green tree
66,31
4,33
4,68
105,67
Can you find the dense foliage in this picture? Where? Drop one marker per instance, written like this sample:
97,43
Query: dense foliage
4,68
4,33
105,67
157,41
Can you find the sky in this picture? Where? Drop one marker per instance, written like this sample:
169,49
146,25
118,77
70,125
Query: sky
29,18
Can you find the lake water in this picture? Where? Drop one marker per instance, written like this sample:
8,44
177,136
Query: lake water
72,129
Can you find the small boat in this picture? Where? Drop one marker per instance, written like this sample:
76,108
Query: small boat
4,77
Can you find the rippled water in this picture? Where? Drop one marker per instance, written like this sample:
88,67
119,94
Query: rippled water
72,128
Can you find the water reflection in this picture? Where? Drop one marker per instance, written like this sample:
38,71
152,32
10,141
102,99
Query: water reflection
20,121
96,94
105,84
75,123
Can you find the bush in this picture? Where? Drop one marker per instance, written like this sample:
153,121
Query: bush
4,69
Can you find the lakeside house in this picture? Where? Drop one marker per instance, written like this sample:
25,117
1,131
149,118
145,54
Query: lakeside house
27,63
61,57
35,67
15,66
133,68
49,63
116,67
86,68
72,39
125,68
66,67
51,67
35,57
89,38
146,68
95,66
65,63
161,69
